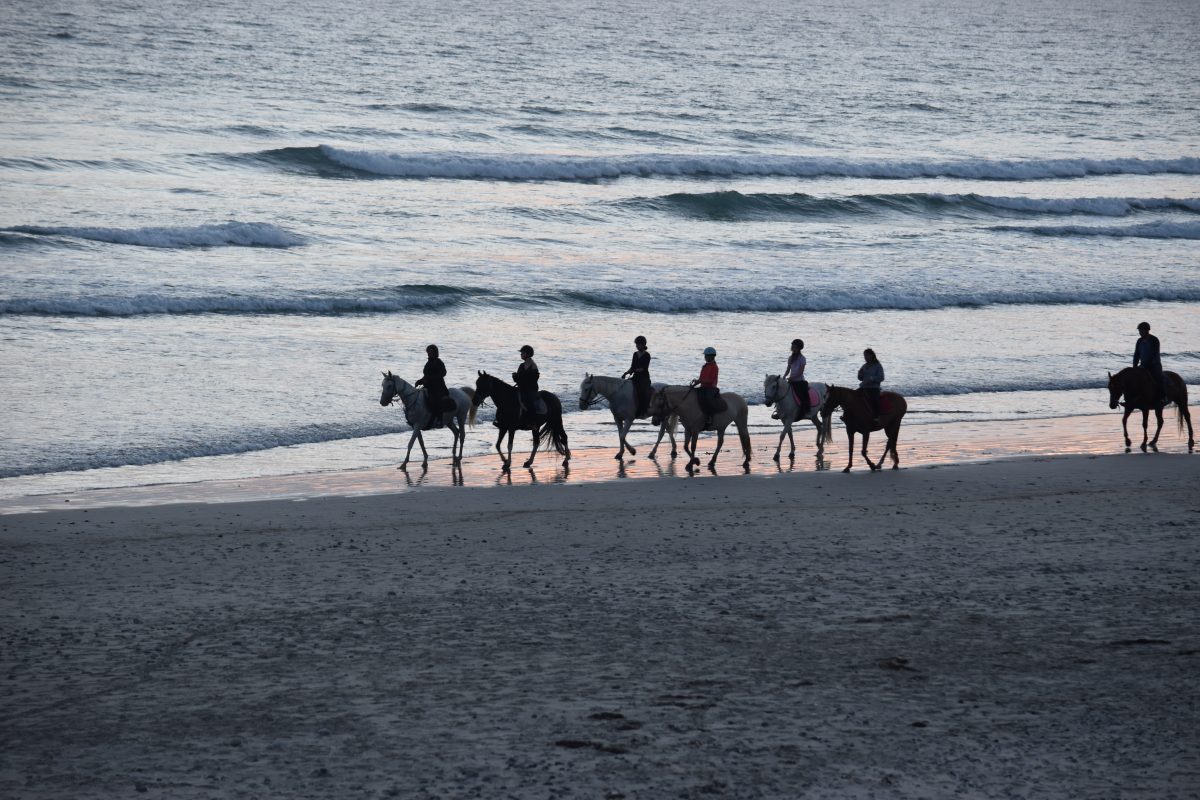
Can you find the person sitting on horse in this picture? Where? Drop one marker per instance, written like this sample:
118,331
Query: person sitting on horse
639,371
870,377
526,379
1147,355
433,378
795,376
707,391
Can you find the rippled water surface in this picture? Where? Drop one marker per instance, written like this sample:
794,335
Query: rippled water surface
219,222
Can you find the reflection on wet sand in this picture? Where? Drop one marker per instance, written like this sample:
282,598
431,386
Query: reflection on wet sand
923,445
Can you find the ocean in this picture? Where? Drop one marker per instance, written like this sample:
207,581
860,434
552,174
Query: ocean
219,222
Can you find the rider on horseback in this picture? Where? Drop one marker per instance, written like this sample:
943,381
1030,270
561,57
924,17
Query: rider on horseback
526,379
639,369
1146,355
433,378
870,377
707,391
795,376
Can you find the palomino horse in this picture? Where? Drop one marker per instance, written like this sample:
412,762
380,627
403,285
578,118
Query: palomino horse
779,392
681,401
1137,385
547,428
418,414
859,419
622,402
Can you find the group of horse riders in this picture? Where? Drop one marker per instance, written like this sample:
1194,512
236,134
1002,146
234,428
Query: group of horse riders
870,377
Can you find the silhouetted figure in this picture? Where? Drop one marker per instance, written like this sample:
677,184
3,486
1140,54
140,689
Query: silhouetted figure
795,376
433,378
706,386
639,372
526,379
870,378
1147,355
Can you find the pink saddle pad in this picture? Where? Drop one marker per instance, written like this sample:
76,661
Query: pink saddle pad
813,397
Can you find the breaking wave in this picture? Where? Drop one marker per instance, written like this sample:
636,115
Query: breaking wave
394,300
733,205
330,161
226,234
1145,230
426,297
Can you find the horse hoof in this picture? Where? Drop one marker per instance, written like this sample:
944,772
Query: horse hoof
775,458
846,470
403,467
527,464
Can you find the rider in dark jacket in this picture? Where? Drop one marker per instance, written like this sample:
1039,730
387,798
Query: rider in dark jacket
526,378
433,378
1147,356
639,370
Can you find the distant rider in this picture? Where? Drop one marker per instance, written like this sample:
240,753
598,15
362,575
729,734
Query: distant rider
1147,355
433,378
526,378
795,376
707,391
639,370
870,377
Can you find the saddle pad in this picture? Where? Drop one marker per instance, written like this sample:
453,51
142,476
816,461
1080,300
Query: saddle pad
813,397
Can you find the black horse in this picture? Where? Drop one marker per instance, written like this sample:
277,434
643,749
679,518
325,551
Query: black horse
1137,385
547,428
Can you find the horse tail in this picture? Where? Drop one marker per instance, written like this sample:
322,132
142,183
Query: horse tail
673,423
554,434
826,423
1181,409
470,393
743,431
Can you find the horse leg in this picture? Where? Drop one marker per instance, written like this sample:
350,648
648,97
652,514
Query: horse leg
850,451
453,426
720,441
1158,418
533,451
411,440
820,435
500,450
1125,428
625,437
866,438
691,440
622,431
1145,428
893,435
424,452
782,434
791,443
662,429
508,461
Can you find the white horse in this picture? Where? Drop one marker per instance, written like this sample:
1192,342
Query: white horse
422,418
683,402
779,392
622,402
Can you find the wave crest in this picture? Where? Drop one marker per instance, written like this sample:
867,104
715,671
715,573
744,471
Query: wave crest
1145,230
226,234
334,161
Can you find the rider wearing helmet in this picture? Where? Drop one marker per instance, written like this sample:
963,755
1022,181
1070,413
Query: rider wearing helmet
795,375
526,378
639,369
433,378
707,391
1146,355
870,376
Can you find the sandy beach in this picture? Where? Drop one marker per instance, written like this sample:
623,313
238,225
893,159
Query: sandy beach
1024,628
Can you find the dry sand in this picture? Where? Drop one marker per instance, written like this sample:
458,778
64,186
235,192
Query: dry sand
1028,628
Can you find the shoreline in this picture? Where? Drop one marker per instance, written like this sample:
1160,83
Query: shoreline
928,444
1021,628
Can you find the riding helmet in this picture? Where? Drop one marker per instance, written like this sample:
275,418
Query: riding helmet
639,340
526,349
1143,326
710,351
798,343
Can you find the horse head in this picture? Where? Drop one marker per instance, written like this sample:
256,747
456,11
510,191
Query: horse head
389,389
831,400
587,392
1115,390
483,387
658,407
770,390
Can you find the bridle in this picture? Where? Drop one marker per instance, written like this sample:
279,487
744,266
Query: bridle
596,397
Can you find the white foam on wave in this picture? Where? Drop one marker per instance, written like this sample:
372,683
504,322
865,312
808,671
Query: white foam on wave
1095,206
151,304
1145,230
226,234
529,167
790,299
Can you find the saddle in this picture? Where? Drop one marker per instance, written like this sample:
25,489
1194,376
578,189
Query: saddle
813,397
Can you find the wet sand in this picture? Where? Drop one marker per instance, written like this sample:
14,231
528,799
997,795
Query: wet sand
936,444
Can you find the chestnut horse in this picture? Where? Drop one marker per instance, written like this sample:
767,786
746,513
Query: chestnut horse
859,419
1137,385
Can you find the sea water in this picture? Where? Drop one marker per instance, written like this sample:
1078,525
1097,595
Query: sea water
220,222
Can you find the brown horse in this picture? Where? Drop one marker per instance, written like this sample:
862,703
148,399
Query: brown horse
1137,385
859,419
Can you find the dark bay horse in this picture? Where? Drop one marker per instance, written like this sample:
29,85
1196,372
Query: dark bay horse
1137,385
859,419
547,428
